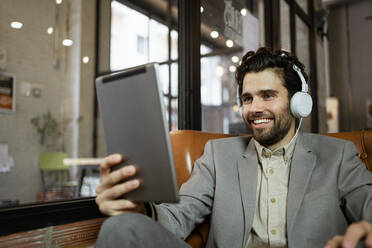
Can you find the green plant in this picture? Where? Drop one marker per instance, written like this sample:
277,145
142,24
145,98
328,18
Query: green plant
46,126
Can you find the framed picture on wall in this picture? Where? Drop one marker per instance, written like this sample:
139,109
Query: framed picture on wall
7,92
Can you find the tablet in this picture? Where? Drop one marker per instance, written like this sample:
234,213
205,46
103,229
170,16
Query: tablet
134,124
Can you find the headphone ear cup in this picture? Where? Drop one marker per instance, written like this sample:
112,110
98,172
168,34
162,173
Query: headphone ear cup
301,104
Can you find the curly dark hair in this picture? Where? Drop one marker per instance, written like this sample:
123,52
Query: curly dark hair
280,61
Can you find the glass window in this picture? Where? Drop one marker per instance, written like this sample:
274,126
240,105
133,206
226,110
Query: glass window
164,78
302,43
127,49
303,5
229,29
53,116
285,34
212,72
150,40
174,45
174,79
174,104
204,49
158,42
303,54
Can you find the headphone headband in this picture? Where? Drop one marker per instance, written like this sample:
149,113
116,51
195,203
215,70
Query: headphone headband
304,87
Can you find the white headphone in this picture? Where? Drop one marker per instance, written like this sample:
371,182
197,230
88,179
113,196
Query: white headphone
301,102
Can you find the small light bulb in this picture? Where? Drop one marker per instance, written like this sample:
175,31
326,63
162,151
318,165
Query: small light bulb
243,12
236,108
201,9
235,59
219,71
85,59
214,34
50,30
232,68
229,43
16,25
67,42
58,1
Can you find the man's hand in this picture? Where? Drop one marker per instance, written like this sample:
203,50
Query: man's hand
114,184
355,232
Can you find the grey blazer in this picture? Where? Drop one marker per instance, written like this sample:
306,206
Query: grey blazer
329,187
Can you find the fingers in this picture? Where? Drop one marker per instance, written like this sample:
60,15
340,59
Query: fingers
369,240
115,177
112,187
117,207
355,233
116,191
335,242
109,161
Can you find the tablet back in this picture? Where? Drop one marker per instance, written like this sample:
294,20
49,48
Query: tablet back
134,123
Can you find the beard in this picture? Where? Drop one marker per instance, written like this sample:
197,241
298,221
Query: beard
282,125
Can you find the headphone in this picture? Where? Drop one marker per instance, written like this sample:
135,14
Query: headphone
300,103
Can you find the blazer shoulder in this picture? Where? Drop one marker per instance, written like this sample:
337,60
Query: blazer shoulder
232,140
325,138
231,143
326,143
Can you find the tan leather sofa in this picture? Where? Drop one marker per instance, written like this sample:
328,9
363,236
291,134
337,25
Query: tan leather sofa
187,147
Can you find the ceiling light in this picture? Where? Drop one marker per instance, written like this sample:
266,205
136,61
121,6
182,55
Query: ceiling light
232,68
236,108
50,30
229,43
243,12
219,71
67,42
85,59
214,34
201,9
16,25
235,59
58,1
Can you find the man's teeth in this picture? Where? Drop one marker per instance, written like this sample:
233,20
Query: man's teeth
261,121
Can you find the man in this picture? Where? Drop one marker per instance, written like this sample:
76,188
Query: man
278,189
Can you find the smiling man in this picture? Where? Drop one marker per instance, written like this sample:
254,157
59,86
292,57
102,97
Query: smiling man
276,188
266,108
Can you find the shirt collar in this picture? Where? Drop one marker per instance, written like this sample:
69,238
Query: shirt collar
286,151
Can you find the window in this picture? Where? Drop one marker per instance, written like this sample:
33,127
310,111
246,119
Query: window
296,36
228,30
141,45
150,37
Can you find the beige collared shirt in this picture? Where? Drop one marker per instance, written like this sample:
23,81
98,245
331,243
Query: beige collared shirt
269,222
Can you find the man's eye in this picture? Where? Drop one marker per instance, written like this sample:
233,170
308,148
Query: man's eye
246,99
268,96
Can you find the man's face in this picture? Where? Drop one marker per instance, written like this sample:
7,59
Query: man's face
266,108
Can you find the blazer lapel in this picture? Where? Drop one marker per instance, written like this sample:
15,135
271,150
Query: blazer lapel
303,163
247,172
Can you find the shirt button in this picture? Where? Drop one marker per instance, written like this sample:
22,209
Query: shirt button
273,200
273,232
267,154
271,171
